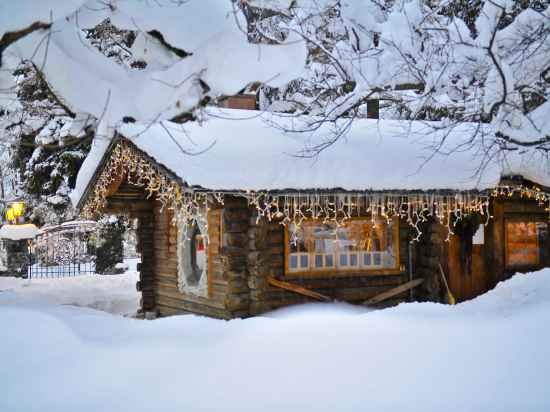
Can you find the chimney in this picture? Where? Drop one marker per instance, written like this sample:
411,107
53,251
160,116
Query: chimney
373,109
240,101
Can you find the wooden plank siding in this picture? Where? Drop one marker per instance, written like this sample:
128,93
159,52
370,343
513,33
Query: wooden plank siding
169,299
466,284
488,261
505,209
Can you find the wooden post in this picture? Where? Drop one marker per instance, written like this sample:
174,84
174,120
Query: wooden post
373,109
146,268
394,291
298,289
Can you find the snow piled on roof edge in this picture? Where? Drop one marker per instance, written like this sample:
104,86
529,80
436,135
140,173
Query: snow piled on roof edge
254,151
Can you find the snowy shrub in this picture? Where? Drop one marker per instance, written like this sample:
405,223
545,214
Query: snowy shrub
109,243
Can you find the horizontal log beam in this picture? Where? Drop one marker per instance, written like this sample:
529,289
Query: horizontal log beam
131,205
297,289
393,292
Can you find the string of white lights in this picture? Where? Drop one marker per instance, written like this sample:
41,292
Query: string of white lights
336,207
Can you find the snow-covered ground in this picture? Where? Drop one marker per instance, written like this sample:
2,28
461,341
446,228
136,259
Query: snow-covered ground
110,293
489,354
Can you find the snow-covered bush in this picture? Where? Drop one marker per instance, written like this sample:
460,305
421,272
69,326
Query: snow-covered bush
109,244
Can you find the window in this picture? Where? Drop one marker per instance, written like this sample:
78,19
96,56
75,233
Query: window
526,243
193,258
359,245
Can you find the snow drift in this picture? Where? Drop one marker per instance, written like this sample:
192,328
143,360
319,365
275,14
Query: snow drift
491,353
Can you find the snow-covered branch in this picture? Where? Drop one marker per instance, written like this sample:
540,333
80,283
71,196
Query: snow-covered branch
484,62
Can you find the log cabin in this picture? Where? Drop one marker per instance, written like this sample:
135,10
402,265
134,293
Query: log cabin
237,218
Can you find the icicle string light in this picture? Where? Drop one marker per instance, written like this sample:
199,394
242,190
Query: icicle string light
338,208
293,207
125,161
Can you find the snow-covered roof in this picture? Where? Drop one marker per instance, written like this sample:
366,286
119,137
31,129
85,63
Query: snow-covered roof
249,150
18,232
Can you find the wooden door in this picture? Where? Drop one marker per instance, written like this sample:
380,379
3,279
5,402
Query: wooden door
467,273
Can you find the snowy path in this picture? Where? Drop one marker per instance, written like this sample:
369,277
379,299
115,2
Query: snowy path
490,354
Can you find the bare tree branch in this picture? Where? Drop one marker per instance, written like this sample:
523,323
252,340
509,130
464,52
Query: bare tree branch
11,37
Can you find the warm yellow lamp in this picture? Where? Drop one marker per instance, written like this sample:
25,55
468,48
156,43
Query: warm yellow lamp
10,216
18,209
15,211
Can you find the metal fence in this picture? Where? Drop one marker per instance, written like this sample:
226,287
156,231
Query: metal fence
63,251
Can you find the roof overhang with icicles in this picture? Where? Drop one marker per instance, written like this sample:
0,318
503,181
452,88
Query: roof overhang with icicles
384,165
236,150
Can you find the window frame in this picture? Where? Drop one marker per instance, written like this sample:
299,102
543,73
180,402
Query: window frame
195,289
337,271
522,219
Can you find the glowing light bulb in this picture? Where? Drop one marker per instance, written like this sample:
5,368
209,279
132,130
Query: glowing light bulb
10,215
18,209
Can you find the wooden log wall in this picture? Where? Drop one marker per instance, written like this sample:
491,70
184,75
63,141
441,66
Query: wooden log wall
146,268
431,251
157,244
130,199
243,252
169,299
234,251
266,258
